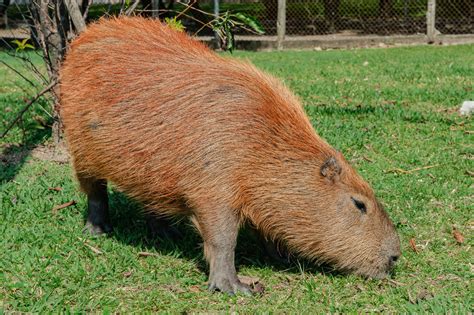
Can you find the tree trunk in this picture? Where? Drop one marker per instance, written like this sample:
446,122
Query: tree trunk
53,22
76,15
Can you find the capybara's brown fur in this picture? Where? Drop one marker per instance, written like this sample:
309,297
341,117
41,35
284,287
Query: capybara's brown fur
188,132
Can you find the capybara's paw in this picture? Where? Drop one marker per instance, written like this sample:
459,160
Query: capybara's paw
229,286
97,229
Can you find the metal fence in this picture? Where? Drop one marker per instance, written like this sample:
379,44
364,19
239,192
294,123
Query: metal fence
321,17
384,17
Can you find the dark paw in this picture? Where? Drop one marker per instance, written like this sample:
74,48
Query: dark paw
97,229
231,287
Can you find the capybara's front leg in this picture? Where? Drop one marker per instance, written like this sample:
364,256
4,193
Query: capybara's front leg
219,230
98,221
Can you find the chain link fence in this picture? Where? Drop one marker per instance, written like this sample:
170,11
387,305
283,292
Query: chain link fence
308,17
383,17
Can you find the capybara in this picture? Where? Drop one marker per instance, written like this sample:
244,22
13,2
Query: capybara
188,132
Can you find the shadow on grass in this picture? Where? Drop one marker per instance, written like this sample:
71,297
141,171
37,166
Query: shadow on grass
394,112
131,228
13,156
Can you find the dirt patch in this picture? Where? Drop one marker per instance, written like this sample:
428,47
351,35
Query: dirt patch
54,153
13,154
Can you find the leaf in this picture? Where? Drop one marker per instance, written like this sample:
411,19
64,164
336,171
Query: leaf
251,22
229,39
20,46
458,236
175,24
64,205
16,42
225,24
249,280
413,245
254,283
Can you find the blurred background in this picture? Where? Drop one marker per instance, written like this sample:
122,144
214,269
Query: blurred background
301,17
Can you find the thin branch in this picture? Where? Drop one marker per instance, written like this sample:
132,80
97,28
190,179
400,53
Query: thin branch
27,106
203,24
193,8
130,10
208,24
186,9
86,9
19,73
122,6
7,44
27,63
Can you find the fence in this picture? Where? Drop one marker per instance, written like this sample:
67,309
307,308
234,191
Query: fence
322,17
317,17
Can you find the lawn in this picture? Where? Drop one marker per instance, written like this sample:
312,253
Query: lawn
392,112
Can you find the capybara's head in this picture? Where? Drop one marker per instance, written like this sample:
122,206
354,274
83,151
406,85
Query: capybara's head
350,228
334,217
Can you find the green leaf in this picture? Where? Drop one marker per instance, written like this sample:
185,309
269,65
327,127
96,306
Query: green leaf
20,46
16,42
251,22
229,38
175,24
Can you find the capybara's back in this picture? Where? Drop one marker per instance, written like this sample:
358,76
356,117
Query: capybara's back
188,132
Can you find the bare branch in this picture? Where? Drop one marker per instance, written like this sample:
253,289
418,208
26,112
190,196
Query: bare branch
130,10
29,65
18,73
75,14
27,106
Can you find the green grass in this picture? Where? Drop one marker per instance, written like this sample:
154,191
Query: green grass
385,109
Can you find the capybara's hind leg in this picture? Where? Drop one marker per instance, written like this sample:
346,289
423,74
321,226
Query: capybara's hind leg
271,248
161,227
98,221
219,231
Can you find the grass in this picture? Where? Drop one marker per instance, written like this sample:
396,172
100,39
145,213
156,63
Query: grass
387,110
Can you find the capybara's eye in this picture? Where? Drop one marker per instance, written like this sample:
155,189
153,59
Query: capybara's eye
360,205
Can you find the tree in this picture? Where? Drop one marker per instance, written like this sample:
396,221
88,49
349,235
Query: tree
54,23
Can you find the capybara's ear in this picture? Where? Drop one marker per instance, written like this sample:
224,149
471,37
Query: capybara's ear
331,169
